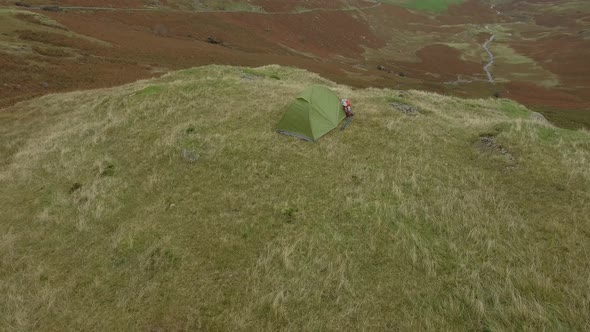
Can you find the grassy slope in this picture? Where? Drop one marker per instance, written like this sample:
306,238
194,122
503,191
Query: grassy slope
397,222
18,25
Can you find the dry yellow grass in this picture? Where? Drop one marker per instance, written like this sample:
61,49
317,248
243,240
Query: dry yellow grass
398,223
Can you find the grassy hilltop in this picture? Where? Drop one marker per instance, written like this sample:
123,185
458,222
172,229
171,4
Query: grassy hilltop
171,204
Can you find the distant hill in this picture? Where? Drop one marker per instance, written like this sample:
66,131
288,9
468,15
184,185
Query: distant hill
539,51
171,204
228,5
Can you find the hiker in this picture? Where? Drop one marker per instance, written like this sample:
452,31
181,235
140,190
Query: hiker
347,108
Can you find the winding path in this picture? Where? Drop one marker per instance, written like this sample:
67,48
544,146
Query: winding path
492,59
486,47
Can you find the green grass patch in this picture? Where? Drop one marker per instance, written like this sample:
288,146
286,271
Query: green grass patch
151,90
214,5
265,73
425,5
513,109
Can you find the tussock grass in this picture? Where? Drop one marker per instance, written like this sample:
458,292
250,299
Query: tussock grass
399,222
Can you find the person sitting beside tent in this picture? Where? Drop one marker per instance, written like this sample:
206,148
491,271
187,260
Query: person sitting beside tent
347,108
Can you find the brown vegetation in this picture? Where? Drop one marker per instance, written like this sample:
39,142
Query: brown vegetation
332,43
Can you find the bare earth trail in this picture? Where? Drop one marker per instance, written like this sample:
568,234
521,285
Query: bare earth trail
82,8
492,59
486,68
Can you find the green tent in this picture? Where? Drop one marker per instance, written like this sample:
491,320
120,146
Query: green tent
313,114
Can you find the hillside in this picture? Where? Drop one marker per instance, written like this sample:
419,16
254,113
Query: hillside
539,52
171,204
206,5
